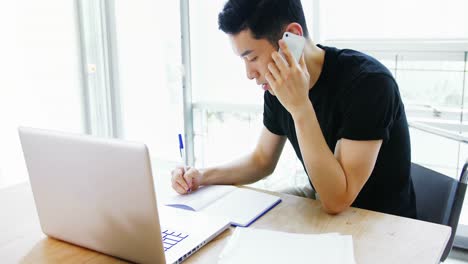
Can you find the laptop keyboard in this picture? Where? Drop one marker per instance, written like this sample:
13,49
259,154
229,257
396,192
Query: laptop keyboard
171,238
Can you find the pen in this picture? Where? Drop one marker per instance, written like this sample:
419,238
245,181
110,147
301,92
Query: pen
182,155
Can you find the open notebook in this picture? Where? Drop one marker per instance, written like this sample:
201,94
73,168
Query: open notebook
240,205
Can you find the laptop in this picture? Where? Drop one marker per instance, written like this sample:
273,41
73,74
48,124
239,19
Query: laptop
99,194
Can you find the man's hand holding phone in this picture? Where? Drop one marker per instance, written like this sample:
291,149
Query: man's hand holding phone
287,76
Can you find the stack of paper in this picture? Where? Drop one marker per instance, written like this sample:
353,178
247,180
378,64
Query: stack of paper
249,245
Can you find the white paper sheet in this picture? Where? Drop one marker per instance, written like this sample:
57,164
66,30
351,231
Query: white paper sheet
249,245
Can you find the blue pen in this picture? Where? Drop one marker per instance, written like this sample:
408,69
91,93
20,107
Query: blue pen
181,148
182,155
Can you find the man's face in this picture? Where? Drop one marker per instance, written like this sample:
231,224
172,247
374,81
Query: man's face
256,54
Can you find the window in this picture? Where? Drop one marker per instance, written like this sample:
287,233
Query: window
397,19
149,68
40,84
217,74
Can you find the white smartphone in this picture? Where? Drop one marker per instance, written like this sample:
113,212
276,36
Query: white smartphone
295,44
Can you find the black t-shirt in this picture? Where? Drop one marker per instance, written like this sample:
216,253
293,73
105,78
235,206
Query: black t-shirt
357,98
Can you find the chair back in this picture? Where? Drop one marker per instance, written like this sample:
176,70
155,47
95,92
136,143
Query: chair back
439,198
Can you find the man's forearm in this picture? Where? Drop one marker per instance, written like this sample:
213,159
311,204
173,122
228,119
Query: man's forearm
243,171
323,168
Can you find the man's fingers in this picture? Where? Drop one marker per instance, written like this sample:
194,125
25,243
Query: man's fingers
271,80
189,178
274,71
181,181
177,171
281,64
302,62
178,188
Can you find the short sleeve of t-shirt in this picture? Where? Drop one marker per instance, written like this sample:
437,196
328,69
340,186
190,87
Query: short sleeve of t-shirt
271,108
369,108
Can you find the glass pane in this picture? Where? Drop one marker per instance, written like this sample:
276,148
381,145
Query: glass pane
217,73
435,152
464,127
222,130
463,157
149,57
41,87
466,60
396,19
434,88
218,143
432,61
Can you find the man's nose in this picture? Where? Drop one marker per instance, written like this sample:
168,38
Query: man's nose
251,74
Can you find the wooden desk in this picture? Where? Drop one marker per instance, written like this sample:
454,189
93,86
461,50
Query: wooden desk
377,237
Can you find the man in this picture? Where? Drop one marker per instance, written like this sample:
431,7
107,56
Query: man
340,109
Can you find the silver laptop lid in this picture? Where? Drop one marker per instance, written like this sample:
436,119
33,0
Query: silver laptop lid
93,192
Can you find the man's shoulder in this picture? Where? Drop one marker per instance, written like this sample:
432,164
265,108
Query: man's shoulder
352,65
356,75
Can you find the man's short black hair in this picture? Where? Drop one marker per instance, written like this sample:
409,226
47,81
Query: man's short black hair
265,18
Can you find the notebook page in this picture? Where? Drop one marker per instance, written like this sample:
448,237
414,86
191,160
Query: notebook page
242,206
198,199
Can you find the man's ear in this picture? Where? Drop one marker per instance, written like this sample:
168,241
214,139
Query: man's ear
295,28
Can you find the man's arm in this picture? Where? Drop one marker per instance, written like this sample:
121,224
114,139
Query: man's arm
337,177
251,168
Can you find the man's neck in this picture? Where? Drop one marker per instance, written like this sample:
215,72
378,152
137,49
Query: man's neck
314,58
